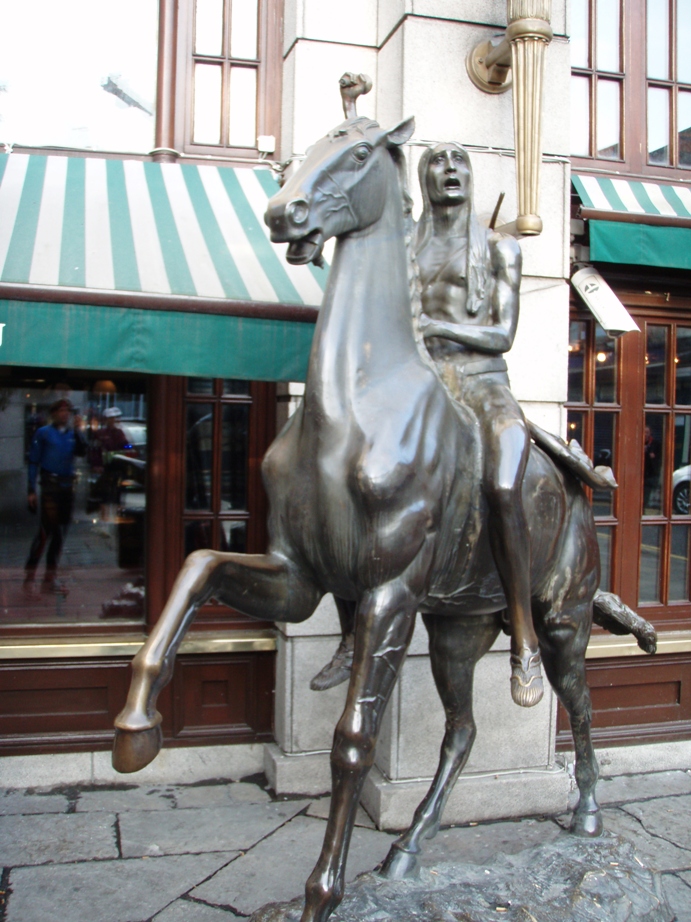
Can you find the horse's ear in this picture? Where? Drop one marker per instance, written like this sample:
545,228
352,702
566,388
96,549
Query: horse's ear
401,133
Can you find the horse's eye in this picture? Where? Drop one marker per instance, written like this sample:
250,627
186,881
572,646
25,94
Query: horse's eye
362,152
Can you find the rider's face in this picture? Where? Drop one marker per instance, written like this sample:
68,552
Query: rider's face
448,177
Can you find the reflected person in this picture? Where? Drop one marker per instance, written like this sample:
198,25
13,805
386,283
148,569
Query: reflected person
470,280
51,465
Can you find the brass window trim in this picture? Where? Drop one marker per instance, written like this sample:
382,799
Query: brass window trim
607,646
258,641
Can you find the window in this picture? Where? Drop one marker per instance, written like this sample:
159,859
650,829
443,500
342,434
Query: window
631,80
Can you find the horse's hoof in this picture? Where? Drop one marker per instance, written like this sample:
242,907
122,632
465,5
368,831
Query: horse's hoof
588,825
526,680
399,865
133,750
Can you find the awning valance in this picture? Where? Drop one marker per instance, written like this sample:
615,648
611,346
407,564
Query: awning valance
636,222
128,235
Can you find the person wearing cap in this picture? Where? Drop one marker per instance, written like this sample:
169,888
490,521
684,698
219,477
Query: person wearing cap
109,441
51,465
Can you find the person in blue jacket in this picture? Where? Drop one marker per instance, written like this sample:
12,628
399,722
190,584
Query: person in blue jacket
51,465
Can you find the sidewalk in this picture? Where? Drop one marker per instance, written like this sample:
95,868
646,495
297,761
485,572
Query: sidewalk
217,852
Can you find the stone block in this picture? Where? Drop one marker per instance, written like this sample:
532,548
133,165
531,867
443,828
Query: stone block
308,774
23,802
45,770
291,853
475,798
202,830
320,810
678,896
219,795
186,765
106,891
56,838
125,798
651,757
656,851
639,787
187,910
666,818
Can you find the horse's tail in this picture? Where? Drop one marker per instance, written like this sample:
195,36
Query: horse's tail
614,616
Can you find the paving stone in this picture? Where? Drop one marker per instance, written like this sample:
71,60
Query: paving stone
192,911
479,844
622,788
320,809
277,868
219,795
206,829
56,838
146,797
18,802
655,851
667,817
105,891
678,896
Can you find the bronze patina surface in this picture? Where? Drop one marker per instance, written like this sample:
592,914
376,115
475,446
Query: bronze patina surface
376,495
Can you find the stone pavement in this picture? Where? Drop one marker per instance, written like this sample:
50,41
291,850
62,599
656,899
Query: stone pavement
214,852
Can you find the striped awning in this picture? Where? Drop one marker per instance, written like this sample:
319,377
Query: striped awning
140,266
636,222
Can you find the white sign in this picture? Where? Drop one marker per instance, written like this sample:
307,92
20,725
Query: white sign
602,301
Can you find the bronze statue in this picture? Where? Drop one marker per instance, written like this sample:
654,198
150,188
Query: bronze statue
376,495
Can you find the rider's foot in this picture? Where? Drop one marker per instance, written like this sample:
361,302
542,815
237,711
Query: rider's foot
526,679
338,669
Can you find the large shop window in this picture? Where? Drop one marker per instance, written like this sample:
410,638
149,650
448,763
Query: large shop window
74,554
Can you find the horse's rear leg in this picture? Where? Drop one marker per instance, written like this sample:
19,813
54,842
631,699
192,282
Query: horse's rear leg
456,645
264,586
563,642
385,620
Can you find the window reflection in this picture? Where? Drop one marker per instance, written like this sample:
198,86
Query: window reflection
603,454
577,346
75,554
679,564
605,367
682,469
580,116
604,540
658,125
655,364
199,455
649,580
608,56
658,38
653,463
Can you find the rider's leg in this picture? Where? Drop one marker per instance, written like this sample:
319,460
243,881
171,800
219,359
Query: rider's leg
507,444
338,668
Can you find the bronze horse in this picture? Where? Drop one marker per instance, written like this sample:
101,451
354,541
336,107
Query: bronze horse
375,496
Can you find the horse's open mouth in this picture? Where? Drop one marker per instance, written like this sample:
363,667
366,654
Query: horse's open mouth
307,249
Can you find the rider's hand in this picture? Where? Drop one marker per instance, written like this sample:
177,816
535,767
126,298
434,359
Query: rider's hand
32,502
428,327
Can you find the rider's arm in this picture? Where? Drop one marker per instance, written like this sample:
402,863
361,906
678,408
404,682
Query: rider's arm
498,337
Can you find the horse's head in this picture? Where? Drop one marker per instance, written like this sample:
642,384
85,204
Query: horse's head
340,187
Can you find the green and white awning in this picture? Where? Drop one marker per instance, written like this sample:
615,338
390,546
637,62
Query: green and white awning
139,238
636,222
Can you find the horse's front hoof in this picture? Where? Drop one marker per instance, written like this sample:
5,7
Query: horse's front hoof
134,749
399,865
588,825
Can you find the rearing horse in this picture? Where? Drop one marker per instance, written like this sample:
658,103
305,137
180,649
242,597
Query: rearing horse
375,496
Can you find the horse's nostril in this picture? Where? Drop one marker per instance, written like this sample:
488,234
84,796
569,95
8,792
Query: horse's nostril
297,211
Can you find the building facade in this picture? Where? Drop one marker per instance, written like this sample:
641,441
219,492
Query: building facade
136,273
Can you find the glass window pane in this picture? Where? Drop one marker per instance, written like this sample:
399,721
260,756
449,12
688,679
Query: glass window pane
235,420
607,53
608,119
207,104
684,127
243,107
199,455
208,27
656,364
658,125
580,116
683,41
679,564
574,426
605,367
80,556
653,463
200,386
577,342
198,535
649,581
603,453
243,29
79,74
604,540
682,469
236,386
682,365
658,38
580,33
233,536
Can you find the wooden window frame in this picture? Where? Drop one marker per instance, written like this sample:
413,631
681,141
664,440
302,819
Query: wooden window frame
269,71
635,83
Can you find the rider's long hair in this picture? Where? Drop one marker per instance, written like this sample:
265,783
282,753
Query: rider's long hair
477,270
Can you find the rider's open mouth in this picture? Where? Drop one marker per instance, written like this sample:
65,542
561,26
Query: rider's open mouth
307,249
452,183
